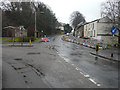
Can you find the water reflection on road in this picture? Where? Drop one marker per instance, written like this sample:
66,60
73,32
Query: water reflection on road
101,70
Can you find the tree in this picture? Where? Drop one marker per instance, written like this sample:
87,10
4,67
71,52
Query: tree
23,13
67,28
111,8
76,18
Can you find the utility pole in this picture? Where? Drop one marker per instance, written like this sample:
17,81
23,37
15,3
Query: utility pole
36,23
35,26
118,24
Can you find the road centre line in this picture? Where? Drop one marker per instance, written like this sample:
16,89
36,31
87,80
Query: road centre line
85,75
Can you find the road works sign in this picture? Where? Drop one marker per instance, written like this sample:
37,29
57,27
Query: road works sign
114,30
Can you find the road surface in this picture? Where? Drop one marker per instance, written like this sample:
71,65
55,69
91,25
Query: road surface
56,64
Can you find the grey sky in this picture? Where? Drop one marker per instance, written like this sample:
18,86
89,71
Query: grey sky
63,8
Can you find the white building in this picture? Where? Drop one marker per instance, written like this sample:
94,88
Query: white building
98,29
61,26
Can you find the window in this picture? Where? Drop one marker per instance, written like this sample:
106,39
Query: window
94,33
93,26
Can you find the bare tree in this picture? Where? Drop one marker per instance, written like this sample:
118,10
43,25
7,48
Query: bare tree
76,18
111,8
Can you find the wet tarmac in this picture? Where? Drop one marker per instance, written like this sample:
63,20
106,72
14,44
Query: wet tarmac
101,70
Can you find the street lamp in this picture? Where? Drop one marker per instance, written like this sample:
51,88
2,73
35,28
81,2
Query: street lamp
42,33
35,23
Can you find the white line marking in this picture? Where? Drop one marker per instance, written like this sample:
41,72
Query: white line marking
86,76
81,73
92,80
77,68
98,85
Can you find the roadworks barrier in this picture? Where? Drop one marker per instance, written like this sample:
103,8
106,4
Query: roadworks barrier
90,43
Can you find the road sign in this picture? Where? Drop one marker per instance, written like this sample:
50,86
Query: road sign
114,30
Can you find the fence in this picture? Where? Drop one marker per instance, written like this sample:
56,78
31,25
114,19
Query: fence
91,43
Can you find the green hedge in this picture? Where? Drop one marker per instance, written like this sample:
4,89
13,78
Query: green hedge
26,39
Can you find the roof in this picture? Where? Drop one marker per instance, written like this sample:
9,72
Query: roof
9,27
12,27
79,25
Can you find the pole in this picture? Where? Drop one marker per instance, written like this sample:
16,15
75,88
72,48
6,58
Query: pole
97,48
35,24
13,40
112,46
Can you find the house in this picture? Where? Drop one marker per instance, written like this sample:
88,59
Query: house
15,31
79,30
60,26
98,29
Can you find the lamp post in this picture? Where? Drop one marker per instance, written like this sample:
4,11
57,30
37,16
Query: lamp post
35,26
42,33
21,34
36,23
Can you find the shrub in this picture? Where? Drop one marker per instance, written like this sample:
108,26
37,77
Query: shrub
26,39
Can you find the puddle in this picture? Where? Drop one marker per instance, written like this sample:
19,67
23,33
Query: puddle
18,59
33,53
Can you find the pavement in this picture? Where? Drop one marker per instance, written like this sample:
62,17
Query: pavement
107,54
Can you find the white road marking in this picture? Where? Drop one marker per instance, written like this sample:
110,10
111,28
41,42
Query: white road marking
85,75
77,68
92,80
81,73
98,85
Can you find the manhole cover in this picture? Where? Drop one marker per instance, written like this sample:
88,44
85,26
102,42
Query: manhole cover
32,53
18,59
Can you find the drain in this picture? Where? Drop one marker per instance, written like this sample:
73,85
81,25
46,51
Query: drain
33,53
18,59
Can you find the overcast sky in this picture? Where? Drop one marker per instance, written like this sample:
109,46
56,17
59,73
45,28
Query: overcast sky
63,8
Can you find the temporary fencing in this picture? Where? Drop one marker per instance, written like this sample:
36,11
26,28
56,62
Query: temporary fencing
90,43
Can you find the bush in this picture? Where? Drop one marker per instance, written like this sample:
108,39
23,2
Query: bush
26,39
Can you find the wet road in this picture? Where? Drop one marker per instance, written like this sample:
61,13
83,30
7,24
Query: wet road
56,64
102,71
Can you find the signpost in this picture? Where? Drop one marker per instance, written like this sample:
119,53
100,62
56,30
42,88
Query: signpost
114,30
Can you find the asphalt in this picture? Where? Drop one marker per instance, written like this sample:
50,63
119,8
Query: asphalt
102,70
8,80
46,63
19,75
54,71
